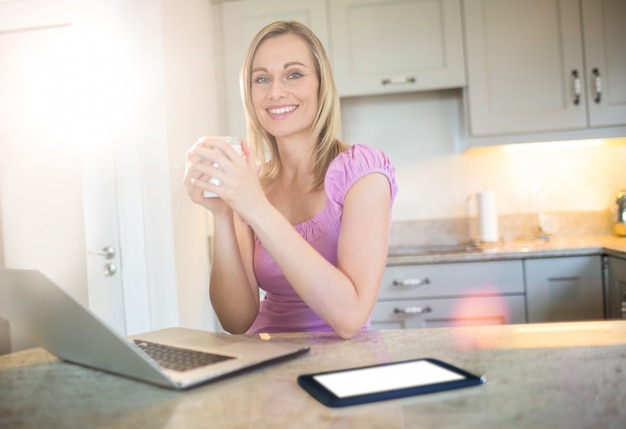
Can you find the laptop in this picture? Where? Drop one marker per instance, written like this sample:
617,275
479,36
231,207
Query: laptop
176,358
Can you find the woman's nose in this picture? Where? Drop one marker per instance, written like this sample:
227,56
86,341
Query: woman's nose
277,91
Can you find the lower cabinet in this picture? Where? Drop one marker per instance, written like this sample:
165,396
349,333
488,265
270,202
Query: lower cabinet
564,289
558,289
453,294
616,287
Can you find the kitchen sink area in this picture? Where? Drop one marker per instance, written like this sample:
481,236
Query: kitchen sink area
434,249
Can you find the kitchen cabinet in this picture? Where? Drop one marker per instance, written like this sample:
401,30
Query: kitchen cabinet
564,289
616,287
241,20
604,33
544,65
453,294
387,46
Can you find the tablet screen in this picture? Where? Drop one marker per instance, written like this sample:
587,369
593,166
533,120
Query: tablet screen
362,381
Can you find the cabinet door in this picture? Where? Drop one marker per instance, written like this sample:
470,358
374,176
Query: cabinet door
524,66
564,289
616,289
604,27
241,20
434,313
384,46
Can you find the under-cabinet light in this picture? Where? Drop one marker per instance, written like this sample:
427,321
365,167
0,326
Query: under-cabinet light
522,147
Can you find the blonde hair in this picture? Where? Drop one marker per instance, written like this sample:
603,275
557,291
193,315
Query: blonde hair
328,117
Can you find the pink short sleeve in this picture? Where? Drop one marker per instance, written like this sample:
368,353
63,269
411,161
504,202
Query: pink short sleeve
351,165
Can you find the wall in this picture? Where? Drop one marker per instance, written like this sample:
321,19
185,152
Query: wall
191,85
423,133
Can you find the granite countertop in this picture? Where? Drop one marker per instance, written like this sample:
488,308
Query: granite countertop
565,246
562,375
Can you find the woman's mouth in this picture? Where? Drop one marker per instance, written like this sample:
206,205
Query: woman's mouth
281,111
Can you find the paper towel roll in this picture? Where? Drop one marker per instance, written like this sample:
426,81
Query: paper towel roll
487,216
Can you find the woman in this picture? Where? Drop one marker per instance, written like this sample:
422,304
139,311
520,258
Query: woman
301,215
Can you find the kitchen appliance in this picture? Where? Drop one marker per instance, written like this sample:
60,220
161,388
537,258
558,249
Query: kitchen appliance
619,228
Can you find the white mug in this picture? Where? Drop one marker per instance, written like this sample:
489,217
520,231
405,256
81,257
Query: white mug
235,143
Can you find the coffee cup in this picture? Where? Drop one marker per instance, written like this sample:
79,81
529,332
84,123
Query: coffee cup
235,143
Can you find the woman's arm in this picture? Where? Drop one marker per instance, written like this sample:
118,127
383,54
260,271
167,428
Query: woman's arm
344,295
233,288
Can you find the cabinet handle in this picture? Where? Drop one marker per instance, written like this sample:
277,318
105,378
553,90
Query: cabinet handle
402,80
411,282
576,86
597,81
412,310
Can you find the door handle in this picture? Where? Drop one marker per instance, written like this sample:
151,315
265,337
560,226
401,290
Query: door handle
108,252
110,270
597,80
576,86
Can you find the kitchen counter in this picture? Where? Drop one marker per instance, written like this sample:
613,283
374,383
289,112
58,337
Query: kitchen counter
566,246
564,375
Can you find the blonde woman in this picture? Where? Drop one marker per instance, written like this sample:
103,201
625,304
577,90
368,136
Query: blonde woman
301,215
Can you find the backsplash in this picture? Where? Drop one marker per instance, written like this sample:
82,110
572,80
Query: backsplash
409,233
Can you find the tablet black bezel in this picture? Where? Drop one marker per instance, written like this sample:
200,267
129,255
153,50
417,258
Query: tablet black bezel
326,397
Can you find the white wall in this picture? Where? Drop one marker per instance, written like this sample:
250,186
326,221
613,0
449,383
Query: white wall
193,110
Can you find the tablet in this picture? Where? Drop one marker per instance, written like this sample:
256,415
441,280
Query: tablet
380,382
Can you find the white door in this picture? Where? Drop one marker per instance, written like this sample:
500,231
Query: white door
57,182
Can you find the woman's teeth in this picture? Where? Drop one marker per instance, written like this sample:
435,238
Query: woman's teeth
282,110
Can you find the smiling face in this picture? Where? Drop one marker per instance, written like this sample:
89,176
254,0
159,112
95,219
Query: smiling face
284,87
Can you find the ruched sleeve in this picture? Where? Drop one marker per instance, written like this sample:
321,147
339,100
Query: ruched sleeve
353,164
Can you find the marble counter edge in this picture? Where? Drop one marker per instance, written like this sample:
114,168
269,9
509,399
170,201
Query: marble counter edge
612,246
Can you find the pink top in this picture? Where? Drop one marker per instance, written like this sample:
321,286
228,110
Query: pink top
282,310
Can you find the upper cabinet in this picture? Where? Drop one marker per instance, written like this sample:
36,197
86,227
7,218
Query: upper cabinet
386,46
545,65
604,28
241,20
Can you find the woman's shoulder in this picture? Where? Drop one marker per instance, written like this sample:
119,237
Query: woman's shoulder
360,156
352,164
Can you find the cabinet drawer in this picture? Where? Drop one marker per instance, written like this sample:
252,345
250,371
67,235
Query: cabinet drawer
440,312
444,280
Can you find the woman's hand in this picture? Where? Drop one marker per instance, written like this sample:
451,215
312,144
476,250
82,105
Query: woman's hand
215,166
198,172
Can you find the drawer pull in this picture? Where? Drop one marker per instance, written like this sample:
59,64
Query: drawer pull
412,282
412,310
398,80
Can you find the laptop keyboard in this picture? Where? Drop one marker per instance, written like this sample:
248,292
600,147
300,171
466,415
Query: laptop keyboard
178,359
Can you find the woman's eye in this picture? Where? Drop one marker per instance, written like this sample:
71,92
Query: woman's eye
294,75
261,79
